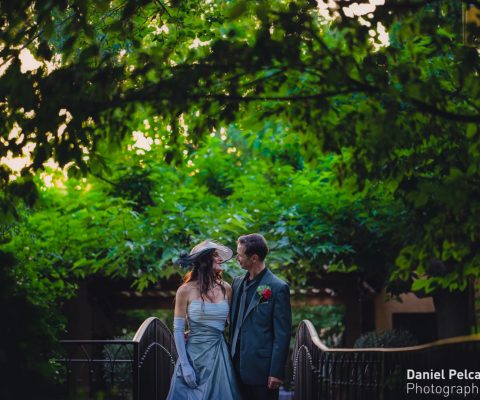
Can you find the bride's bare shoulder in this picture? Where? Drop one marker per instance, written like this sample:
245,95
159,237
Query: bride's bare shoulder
186,288
228,287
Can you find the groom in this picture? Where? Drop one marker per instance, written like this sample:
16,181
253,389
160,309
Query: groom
261,322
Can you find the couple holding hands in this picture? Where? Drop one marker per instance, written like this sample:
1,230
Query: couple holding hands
257,307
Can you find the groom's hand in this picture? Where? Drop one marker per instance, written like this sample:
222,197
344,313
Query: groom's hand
274,383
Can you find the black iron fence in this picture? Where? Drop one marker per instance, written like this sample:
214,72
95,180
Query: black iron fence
95,368
137,369
348,374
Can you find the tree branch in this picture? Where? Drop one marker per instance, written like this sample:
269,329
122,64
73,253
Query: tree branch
444,113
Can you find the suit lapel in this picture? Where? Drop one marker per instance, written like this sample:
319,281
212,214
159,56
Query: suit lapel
255,297
236,286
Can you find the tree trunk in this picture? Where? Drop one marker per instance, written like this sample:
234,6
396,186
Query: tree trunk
455,316
353,311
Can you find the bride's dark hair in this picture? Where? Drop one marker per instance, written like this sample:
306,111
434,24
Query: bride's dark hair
202,272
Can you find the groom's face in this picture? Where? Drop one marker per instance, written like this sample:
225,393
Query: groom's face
244,260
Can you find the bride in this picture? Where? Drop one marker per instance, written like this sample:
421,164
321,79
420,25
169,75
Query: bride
204,369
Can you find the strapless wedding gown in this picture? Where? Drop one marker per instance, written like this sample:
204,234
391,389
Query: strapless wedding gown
208,354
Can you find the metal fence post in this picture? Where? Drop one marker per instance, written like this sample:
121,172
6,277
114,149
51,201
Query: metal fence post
136,372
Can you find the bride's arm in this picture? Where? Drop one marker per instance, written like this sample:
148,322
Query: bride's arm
181,303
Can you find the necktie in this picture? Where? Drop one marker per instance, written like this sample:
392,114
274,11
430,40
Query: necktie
241,313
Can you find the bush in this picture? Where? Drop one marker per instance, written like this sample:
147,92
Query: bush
122,372
27,341
130,320
392,338
328,320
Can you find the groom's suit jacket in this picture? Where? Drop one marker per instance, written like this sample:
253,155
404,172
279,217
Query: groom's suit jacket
264,332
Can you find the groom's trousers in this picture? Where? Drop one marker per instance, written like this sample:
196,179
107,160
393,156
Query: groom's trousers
253,392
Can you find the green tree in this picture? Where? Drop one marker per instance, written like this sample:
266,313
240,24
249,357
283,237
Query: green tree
405,115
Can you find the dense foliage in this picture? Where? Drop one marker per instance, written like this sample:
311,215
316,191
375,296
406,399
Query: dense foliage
328,321
393,338
136,230
405,113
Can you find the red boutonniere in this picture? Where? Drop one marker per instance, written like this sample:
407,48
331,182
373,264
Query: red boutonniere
265,292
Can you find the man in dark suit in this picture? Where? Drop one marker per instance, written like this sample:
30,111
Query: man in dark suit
261,320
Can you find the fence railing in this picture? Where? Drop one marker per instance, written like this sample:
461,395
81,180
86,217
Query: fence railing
137,369
348,374
155,357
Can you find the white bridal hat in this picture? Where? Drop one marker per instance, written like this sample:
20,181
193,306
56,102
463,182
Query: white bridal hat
223,251
186,260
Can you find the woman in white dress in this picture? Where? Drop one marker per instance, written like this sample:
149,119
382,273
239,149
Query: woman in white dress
204,368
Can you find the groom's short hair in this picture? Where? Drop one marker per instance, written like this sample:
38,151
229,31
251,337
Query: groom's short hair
254,244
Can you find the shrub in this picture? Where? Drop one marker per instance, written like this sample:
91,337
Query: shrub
328,320
392,338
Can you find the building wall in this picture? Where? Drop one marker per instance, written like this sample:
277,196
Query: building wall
385,307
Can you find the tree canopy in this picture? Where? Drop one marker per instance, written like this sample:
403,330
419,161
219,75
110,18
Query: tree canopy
405,113
135,223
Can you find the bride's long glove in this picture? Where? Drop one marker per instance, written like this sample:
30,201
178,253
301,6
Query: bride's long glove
179,336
